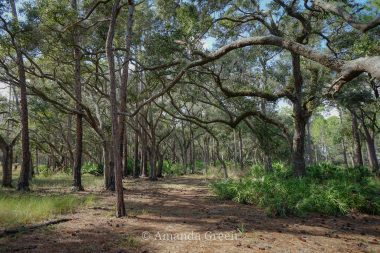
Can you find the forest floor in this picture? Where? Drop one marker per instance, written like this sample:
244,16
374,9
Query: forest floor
181,215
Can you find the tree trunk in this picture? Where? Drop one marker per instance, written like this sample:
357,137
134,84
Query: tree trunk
123,87
7,166
120,207
23,182
192,156
144,154
77,179
70,140
109,176
160,164
125,156
206,153
371,149
153,171
268,162
241,162
358,158
299,144
344,147
220,158
153,152
174,154
309,150
136,169
300,119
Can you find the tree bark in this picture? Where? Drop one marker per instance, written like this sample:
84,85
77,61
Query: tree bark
136,168
300,119
309,150
120,207
344,147
109,175
125,156
220,158
358,158
144,154
160,164
124,83
371,148
7,165
23,182
77,179
192,156
153,151
206,153
241,161
153,170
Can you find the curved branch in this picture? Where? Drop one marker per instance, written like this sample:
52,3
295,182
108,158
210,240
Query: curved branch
337,10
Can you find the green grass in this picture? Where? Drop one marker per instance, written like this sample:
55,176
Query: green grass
49,197
24,208
330,190
63,180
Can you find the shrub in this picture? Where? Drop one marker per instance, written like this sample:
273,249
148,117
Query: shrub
44,170
172,169
92,168
326,189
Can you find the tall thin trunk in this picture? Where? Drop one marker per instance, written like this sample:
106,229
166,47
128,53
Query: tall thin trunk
120,207
7,166
37,160
174,154
153,151
206,153
309,150
23,182
144,154
241,151
160,165
300,120
124,82
136,169
358,158
192,156
125,156
344,147
213,152
108,166
77,179
371,148
235,148
70,139
371,151
221,160
153,169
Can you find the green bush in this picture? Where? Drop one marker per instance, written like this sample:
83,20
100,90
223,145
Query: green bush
326,189
92,168
44,170
172,169
130,164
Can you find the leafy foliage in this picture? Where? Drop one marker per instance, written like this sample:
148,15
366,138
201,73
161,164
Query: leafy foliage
326,189
92,168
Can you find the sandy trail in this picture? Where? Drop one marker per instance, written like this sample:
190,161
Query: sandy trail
180,215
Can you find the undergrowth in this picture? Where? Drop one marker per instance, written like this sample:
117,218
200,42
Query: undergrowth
24,208
326,189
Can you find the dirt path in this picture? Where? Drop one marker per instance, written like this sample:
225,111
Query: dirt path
180,215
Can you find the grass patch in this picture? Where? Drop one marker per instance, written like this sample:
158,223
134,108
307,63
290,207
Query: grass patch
25,208
63,180
327,189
